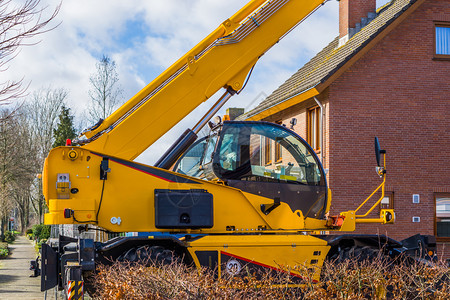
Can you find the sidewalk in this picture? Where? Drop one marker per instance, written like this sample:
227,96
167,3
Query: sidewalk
15,282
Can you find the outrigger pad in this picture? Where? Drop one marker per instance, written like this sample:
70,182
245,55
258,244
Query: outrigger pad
183,209
49,270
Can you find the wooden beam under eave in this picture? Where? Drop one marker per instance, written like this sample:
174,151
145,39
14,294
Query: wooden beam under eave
284,105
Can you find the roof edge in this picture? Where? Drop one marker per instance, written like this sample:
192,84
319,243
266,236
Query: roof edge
294,99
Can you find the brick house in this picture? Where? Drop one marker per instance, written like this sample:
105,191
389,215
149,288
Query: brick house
387,75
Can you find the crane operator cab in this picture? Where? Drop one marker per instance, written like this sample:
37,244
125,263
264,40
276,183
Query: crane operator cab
262,158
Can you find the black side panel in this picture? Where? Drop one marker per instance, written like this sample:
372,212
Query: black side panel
310,199
183,209
423,246
49,273
208,259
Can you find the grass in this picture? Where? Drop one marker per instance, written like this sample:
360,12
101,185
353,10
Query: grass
375,279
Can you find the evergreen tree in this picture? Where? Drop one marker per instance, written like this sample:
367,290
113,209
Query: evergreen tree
65,129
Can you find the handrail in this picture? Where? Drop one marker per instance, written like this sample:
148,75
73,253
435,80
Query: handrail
376,203
381,172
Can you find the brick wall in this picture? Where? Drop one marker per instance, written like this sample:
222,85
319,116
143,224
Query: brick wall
400,94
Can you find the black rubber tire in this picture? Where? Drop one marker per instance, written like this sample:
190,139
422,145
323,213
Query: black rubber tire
161,255
141,255
89,287
357,254
148,255
353,256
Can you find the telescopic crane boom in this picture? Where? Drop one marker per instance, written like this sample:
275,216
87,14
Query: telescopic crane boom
222,60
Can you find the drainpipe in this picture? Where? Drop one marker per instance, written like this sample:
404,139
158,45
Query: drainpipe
322,114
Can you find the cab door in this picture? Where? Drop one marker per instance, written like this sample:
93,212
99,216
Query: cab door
272,161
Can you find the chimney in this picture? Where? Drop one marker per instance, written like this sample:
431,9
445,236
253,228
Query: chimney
234,112
353,15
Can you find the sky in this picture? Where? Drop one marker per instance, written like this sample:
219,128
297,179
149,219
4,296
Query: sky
144,37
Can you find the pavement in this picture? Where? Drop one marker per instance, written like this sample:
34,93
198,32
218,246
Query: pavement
15,282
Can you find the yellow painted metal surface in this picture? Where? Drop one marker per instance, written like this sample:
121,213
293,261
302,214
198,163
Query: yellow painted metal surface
295,254
129,194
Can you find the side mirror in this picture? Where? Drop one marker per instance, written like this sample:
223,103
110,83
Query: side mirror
293,123
380,170
377,151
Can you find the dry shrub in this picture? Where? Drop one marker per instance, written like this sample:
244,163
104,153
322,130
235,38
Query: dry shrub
375,279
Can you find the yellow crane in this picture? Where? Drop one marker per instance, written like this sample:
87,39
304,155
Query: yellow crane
219,203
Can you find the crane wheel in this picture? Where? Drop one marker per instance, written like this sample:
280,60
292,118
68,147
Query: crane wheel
148,255
89,282
357,255
137,255
352,256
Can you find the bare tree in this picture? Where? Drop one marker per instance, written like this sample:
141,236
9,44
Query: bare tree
6,205
17,167
42,113
7,149
20,193
105,92
25,173
26,137
18,23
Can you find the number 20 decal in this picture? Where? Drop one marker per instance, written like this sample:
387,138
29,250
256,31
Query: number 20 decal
233,267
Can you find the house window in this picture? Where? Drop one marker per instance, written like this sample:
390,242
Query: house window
278,157
267,151
442,215
314,136
388,201
442,40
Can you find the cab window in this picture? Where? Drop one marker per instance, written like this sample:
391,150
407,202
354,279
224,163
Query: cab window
190,163
197,158
242,155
